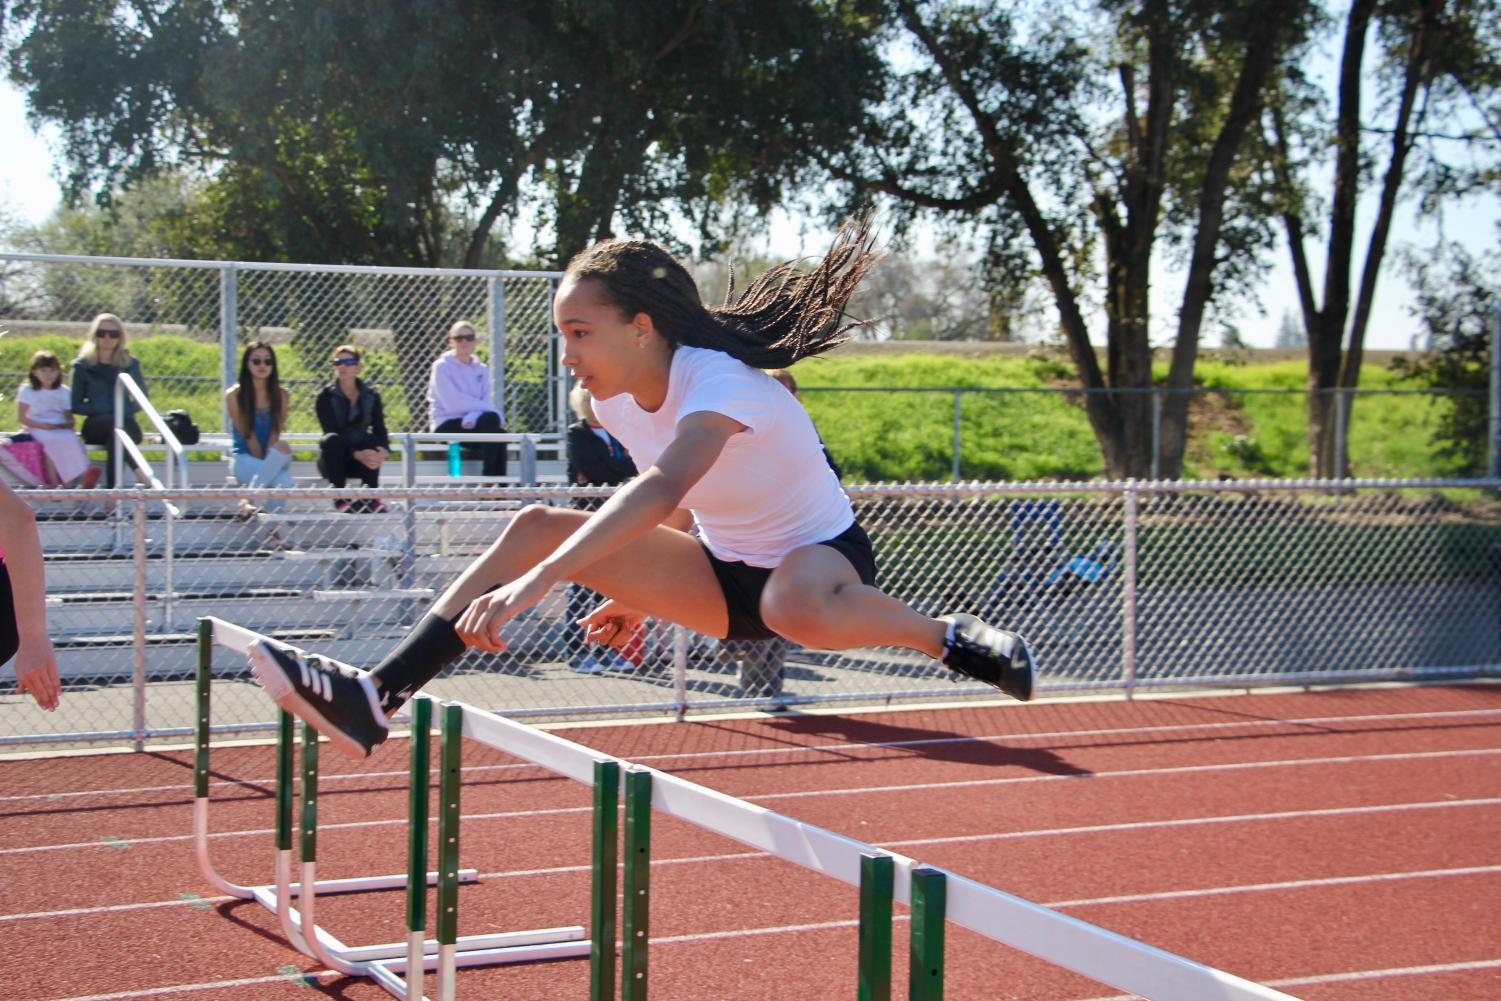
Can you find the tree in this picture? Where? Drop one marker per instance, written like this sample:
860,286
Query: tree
1434,127
1290,332
393,132
995,120
1458,296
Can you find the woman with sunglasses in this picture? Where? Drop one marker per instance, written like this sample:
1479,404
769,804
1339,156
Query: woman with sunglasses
257,414
779,551
458,393
353,420
100,361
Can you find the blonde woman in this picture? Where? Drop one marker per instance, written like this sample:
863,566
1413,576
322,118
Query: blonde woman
100,361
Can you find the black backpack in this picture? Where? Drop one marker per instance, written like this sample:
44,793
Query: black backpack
180,423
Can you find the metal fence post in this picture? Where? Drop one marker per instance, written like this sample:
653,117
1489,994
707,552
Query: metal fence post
680,669
957,395
1341,468
1493,451
495,301
1128,596
138,637
229,333
1156,432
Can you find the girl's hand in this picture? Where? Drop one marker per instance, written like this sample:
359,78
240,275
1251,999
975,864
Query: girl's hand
36,672
481,623
614,625
281,446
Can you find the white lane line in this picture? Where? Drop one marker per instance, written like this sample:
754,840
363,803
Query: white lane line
1239,818
838,748
215,985
1056,832
761,797
1292,884
1343,759
1435,969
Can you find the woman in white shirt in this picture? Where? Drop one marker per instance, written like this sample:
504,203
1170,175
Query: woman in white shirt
43,408
680,385
458,393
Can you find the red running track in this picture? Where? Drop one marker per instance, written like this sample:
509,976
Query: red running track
1337,845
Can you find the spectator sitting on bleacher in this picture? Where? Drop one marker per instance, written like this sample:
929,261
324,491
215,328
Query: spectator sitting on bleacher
354,429
100,361
257,413
42,404
458,393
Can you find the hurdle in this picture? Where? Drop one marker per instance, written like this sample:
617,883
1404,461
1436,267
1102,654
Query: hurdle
934,896
398,966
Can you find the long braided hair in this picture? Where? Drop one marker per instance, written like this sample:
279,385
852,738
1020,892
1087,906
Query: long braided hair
783,316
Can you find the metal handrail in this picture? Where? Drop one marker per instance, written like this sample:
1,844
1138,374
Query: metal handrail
177,462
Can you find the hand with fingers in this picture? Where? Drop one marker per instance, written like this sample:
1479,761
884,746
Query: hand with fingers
617,626
481,622
36,672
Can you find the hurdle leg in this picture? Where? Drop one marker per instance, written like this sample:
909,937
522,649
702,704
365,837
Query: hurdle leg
876,878
602,881
448,848
636,920
417,801
201,767
929,902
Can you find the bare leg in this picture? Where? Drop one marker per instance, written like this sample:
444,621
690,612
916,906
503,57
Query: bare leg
815,598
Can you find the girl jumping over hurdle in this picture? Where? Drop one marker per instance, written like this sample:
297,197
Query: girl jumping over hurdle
778,551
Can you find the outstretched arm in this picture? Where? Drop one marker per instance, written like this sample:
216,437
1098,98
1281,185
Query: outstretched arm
35,664
631,512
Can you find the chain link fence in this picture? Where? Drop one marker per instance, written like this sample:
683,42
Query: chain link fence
188,322
1121,587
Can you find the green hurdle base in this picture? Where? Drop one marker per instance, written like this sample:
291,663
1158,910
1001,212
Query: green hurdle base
388,964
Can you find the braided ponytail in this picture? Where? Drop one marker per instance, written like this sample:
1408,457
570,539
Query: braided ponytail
785,315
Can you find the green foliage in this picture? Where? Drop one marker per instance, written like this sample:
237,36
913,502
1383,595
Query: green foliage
1006,433
391,132
1458,295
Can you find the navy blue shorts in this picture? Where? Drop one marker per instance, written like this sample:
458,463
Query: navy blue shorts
742,583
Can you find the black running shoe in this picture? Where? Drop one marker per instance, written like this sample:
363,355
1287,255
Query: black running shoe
339,701
991,655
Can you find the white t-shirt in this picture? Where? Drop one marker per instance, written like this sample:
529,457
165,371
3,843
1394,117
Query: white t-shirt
771,490
47,406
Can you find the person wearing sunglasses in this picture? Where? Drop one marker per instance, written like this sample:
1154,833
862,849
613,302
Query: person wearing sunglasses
458,393
257,408
353,420
100,361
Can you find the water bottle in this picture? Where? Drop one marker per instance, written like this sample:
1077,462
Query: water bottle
455,463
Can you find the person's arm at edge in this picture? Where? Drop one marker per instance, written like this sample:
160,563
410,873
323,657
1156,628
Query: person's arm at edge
35,663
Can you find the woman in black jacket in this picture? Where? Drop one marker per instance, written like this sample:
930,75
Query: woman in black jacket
100,361
353,420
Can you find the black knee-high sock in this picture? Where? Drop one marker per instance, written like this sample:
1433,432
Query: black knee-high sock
428,648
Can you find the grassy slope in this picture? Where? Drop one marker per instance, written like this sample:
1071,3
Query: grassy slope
895,436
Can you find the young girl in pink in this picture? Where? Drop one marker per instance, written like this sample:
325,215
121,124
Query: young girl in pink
42,405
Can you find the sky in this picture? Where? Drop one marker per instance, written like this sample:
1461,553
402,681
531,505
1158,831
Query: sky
29,192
